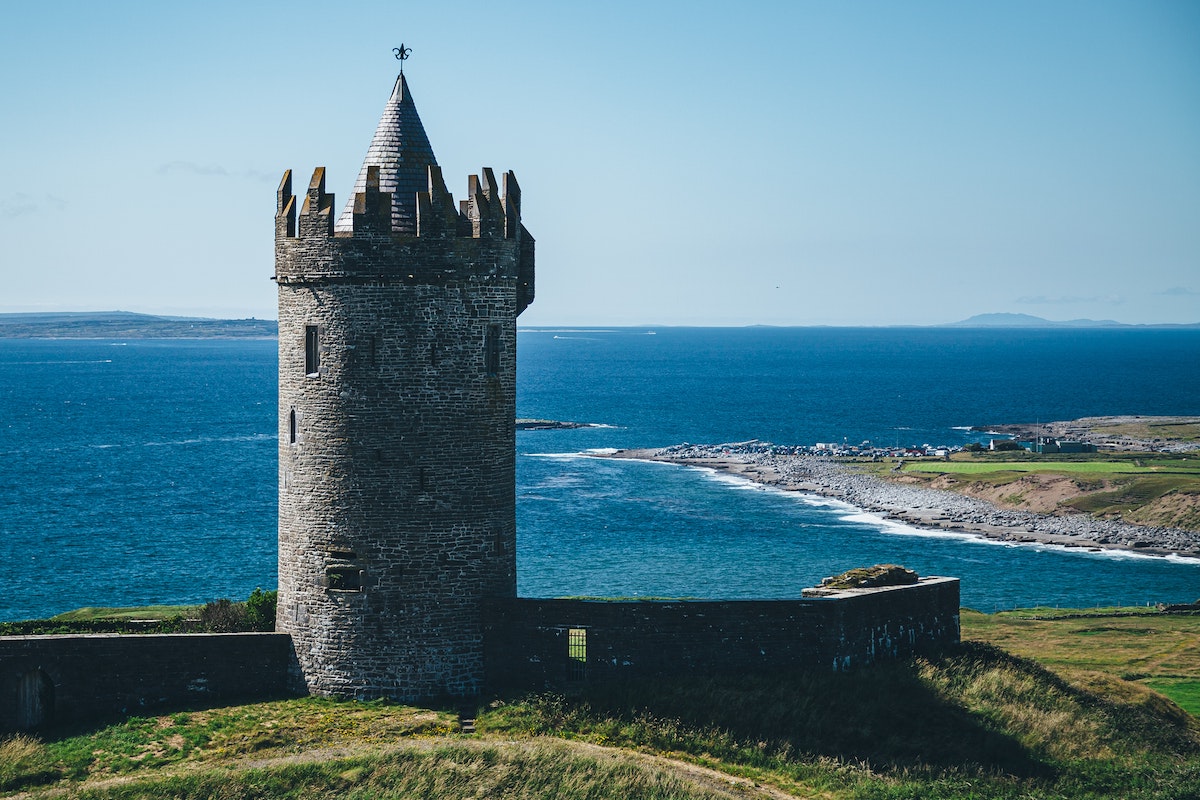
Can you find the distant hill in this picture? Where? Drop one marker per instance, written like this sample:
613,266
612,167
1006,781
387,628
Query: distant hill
1030,321
128,325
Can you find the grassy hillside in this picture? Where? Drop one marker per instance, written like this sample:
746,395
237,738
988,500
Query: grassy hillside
1081,721
1103,647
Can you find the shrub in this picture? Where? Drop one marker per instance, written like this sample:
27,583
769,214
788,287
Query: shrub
223,616
260,610
871,577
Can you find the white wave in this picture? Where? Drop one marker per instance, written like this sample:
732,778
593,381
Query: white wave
39,363
885,525
565,330
896,527
738,482
559,456
820,501
253,437
1174,558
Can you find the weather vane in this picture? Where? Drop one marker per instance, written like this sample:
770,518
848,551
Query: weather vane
401,54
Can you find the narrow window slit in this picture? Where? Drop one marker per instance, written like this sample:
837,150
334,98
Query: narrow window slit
492,351
312,350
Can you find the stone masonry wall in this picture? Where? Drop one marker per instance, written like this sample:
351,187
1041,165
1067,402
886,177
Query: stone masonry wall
529,640
397,517
68,679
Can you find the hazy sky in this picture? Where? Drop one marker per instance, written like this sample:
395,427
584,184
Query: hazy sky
848,163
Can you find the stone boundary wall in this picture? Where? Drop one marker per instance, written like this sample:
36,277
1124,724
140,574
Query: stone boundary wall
55,680
528,642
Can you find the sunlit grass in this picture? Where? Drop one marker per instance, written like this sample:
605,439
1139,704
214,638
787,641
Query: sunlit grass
1161,651
90,613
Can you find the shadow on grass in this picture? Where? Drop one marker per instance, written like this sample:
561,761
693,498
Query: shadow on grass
893,716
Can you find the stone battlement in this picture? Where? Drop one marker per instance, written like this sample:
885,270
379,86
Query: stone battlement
482,239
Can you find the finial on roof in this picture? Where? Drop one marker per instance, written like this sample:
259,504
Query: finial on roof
401,54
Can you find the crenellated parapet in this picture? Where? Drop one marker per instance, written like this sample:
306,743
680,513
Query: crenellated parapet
488,212
482,238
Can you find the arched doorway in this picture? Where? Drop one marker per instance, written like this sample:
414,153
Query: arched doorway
35,699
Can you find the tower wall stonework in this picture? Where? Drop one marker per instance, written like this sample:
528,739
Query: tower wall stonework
397,377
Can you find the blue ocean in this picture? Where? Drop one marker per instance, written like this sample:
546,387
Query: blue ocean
144,471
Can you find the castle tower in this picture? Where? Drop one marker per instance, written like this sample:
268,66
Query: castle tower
397,377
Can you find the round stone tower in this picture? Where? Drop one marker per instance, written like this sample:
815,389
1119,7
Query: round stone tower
397,376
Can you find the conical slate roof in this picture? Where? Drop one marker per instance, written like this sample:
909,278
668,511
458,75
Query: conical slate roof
402,152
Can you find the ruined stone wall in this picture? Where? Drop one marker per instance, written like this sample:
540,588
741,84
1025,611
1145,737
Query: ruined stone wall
397,379
529,641
55,680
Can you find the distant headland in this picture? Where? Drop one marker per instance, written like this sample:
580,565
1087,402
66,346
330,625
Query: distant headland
1030,321
129,325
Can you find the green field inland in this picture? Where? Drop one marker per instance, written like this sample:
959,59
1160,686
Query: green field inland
1037,703
1100,466
1139,488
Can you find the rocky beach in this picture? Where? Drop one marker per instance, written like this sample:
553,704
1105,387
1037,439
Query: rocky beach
791,470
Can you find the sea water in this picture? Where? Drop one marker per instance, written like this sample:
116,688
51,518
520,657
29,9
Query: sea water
137,472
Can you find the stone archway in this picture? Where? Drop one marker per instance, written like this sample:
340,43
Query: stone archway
35,699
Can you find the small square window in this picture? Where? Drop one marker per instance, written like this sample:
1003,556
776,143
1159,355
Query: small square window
344,579
576,654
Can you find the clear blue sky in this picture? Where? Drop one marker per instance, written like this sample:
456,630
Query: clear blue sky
847,163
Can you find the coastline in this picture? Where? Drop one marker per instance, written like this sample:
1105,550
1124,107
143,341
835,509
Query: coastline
928,509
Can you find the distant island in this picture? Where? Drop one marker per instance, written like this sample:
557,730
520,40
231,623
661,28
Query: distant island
129,325
551,425
1030,321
